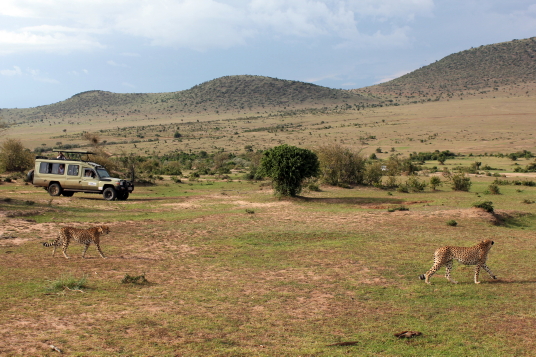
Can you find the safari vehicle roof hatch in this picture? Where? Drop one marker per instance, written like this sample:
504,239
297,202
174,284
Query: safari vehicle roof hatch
77,154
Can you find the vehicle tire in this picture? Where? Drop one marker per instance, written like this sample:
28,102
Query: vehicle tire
122,196
109,194
68,193
54,189
30,176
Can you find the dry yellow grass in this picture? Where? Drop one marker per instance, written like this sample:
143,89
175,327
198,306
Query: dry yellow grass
476,125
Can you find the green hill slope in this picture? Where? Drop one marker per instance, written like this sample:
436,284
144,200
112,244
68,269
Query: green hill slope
225,94
477,69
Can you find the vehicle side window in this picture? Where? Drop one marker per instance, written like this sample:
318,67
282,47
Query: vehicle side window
45,168
89,173
58,169
73,170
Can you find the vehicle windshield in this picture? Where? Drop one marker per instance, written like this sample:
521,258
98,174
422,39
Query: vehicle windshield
102,172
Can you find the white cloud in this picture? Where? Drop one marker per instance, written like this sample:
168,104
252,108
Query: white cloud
11,72
66,25
115,64
390,77
31,40
35,74
197,24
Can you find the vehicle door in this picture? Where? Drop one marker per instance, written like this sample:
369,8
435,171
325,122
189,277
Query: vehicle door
73,180
90,179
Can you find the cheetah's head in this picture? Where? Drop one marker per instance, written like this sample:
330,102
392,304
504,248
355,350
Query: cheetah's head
487,243
104,229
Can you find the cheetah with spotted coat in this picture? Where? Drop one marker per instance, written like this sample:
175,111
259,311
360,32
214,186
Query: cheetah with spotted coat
475,255
82,236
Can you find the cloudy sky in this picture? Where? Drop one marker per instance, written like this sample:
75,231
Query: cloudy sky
53,49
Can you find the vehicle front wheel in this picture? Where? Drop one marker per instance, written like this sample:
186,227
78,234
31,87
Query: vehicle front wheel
109,194
54,189
122,196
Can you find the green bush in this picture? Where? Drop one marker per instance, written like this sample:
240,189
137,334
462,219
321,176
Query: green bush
486,205
340,165
452,223
458,182
435,182
288,166
15,157
494,189
414,184
137,280
373,174
399,208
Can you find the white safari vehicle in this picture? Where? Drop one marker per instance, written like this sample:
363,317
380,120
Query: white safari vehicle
66,175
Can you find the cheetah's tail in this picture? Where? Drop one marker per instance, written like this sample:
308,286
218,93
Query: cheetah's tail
422,277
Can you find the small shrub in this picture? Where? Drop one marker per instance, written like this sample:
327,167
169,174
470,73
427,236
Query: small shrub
435,182
400,208
138,280
250,211
458,182
414,184
486,205
494,189
452,223
528,201
403,188
68,282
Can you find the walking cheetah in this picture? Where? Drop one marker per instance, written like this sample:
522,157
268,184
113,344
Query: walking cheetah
82,236
475,255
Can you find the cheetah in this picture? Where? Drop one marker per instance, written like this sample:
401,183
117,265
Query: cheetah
475,255
82,236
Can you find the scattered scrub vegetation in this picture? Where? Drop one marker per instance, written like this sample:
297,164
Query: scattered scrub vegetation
486,206
136,280
68,282
452,223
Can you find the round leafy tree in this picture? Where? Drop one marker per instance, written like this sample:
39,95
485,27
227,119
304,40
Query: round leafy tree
288,166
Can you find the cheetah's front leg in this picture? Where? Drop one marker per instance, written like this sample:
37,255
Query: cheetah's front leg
486,268
100,251
426,276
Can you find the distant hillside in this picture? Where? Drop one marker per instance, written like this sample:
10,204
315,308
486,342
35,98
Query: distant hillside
478,71
225,94
485,67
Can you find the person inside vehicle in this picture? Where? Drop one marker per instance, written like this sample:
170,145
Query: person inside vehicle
61,169
61,156
89,173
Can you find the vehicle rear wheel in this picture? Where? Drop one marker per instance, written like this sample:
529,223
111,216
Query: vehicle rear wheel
109,194
54,189
30,176
122,196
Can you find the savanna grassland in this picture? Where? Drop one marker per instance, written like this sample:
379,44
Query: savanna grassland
218,265
475,125
232,270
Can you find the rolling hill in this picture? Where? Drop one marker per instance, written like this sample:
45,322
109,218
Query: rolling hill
221,95
481,69
485,70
